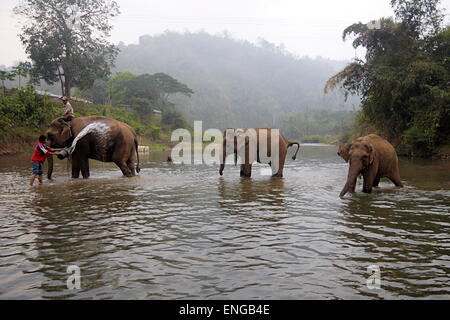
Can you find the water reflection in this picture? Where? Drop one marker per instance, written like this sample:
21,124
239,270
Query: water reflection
403,233
258,195
82,229
185,232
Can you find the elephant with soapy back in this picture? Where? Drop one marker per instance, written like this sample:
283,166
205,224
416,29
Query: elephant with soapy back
98,138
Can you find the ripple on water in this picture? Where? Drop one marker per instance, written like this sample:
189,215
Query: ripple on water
184,232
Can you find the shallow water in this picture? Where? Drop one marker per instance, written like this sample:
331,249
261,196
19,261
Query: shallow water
185,232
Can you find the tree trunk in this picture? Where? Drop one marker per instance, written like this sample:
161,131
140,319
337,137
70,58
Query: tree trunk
61,81
67,85
50,167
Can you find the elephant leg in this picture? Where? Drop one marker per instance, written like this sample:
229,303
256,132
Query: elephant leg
85,168
368,182
76,166
130,165
395,178
131,162
376,182
122,157
124,168
75,170
246,170
282,159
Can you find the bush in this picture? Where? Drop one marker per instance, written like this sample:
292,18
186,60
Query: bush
155,132
24,108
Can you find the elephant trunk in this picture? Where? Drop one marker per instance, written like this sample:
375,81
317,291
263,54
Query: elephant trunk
353,174
63,154
50,167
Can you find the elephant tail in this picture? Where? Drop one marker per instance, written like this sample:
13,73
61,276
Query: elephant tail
138,169
298,148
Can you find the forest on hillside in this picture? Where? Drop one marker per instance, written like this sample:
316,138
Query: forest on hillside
236,83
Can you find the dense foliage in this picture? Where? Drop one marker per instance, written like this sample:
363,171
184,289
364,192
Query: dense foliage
405,77
23,113
66,40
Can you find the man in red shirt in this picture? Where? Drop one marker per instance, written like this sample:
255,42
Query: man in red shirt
41,151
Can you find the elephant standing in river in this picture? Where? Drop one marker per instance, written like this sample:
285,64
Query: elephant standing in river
98,138
241,145
374,158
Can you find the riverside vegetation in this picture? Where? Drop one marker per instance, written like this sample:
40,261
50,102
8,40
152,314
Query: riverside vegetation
24,115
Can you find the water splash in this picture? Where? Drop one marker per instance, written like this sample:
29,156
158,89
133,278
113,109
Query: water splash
96,127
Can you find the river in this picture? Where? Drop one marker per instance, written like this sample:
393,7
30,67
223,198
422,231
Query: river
184,232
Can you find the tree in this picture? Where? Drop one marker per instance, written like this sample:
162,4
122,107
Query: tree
404,78
422,18
4,76
169,85
66,40
21,70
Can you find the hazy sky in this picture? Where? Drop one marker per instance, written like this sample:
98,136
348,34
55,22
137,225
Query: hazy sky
312,27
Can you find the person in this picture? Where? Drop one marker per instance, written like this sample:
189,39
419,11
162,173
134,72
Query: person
41,151
67,116
68,110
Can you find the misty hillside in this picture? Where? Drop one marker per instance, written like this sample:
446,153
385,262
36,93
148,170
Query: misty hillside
236,83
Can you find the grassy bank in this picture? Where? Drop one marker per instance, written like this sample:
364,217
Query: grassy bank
24,115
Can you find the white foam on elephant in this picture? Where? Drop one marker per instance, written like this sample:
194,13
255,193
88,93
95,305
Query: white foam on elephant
99,128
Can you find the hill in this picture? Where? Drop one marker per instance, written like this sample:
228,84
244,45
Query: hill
235,83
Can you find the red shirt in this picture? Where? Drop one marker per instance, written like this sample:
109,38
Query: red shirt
40,153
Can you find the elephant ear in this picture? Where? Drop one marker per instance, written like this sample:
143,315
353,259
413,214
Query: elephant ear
371,153
65,133
343,151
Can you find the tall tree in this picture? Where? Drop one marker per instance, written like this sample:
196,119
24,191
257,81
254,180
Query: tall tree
169,85
422,18
67,40
404,78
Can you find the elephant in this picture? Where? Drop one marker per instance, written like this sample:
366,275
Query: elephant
374,158
246,167
95,137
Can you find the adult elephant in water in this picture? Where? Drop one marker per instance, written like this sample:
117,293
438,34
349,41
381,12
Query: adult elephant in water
374,158
242,145
98,138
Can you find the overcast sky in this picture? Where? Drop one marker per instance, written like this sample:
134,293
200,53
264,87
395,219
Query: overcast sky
312,27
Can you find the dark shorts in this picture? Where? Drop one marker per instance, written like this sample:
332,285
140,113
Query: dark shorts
36,168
